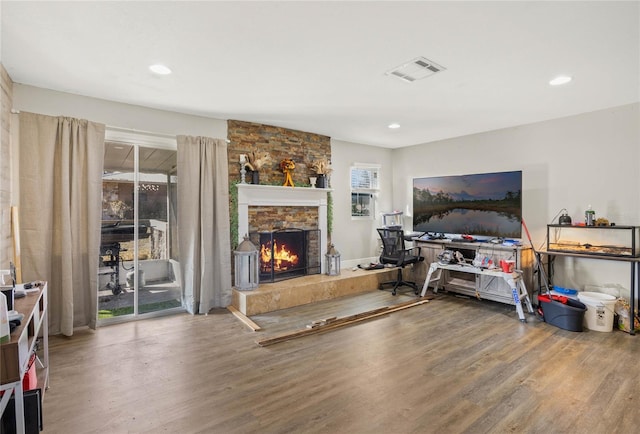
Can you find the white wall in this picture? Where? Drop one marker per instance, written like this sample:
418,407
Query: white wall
357,239
572,162
114,114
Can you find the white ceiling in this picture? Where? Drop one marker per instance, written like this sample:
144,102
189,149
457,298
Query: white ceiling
320,66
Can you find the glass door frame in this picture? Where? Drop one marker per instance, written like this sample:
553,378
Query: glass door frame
138,139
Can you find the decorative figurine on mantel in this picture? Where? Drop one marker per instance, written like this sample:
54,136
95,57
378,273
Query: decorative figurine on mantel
287,166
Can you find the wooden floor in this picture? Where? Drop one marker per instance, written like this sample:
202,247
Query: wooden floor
453,365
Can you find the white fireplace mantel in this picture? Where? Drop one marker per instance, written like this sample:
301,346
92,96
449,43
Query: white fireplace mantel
273,195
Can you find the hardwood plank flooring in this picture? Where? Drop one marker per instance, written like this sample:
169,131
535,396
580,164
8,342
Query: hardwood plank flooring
453,365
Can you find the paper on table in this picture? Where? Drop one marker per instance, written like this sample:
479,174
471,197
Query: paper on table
20,287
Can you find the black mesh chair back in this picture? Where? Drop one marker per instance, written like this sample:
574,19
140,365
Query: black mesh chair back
395,253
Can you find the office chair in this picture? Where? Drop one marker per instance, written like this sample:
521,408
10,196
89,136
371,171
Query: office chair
395,253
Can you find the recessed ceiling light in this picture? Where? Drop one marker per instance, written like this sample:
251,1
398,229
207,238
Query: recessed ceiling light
394,125
561,79
160,69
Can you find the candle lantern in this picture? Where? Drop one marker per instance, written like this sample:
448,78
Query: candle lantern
243,169
333,261
247,266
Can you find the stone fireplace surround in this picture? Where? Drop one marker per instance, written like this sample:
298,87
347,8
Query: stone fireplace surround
284,294
301,146
270,195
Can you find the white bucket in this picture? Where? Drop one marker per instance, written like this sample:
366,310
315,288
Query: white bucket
600,308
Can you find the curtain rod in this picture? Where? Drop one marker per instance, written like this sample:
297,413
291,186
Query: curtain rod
149,133
130,130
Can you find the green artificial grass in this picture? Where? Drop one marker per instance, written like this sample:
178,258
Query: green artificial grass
145,308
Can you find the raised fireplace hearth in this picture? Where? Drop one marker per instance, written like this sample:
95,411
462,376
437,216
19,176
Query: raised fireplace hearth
308,289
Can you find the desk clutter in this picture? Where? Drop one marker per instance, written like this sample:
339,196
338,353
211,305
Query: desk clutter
10,319
504,287
479,261
491,269
464,238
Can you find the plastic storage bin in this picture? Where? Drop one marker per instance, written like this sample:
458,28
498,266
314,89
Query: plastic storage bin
569,316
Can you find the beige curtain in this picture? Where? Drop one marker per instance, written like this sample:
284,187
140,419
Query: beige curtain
60,166
203,223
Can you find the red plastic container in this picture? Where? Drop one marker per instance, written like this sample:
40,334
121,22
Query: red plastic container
30,380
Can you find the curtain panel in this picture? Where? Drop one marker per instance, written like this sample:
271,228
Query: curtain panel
60,166
203,223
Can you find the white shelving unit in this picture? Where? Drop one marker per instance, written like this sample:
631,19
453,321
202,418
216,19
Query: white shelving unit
30,337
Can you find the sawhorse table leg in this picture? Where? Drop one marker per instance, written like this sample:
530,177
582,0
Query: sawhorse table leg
519,293
433,268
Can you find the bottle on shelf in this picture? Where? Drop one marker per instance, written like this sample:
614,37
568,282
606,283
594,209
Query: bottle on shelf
590,217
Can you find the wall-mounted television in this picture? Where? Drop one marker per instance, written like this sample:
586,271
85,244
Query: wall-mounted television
484,205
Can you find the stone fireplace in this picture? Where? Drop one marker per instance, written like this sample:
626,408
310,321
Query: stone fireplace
260,208
271,209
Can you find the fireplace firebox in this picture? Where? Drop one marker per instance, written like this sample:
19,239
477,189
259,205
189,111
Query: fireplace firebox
287,253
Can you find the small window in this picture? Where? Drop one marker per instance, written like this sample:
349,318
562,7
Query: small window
361,204
364,178
365,182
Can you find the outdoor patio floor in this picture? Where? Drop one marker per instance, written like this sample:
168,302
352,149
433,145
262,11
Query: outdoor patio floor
153,293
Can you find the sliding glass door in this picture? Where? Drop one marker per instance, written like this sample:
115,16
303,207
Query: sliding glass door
138,269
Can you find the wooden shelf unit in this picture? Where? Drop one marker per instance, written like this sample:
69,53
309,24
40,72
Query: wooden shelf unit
31,336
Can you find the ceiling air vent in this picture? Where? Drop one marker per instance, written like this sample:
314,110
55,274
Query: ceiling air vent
416,69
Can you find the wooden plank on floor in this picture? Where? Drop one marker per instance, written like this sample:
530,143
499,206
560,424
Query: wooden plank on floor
318,327
242,317
15,236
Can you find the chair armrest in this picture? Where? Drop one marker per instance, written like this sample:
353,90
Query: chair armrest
411,251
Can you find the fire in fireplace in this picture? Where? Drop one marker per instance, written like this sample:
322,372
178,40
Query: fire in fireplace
288,253
278,257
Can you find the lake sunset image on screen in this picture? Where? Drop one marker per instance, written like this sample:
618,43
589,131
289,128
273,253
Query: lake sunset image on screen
483,205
